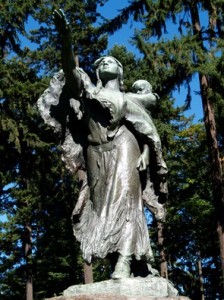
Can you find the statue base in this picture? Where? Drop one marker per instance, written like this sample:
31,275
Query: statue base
138,288
115,297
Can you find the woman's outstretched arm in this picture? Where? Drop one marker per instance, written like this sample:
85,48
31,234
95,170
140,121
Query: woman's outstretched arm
68,58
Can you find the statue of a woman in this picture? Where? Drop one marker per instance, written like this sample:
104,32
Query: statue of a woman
100,139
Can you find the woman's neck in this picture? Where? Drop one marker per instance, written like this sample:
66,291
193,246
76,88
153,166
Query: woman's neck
112,85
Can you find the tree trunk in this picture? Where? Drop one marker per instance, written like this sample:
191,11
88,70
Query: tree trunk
216,166
215,162
29,287
29,277
201,279
88,270
163,262
88,273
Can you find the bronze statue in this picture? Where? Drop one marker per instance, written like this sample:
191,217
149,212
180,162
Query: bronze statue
108,134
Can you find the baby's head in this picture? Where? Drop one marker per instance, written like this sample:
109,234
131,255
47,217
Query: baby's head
141,87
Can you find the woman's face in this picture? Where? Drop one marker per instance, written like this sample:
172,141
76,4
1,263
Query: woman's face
108,69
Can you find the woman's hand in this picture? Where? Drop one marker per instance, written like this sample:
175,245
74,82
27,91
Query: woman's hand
73,78
143,160
61,23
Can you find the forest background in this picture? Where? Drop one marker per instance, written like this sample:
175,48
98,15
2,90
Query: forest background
178,47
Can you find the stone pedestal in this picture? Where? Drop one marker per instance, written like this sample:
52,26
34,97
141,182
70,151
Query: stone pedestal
115,297
138,288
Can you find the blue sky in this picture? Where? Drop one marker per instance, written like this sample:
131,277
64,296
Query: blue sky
122,36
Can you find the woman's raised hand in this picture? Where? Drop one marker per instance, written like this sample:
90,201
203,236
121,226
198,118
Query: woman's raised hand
60,21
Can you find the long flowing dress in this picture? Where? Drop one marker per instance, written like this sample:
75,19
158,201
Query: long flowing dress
112,219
